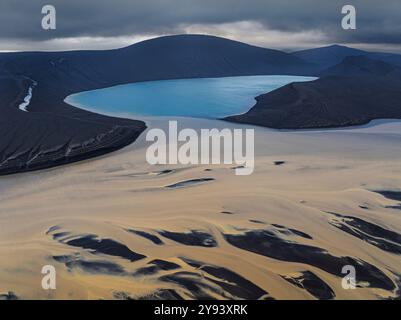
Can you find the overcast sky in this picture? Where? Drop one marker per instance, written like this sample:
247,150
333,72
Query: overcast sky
280,24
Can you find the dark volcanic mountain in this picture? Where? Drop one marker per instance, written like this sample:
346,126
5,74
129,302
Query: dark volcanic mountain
329,56
39,130
362,66
52,132
354,92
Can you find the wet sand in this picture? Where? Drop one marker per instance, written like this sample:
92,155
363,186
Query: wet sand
117,228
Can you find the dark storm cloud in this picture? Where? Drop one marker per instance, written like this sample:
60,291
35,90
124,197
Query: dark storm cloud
377,21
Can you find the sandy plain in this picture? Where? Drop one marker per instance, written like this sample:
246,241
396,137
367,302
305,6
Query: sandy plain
113,228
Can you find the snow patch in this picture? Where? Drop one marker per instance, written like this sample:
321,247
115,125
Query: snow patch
27,100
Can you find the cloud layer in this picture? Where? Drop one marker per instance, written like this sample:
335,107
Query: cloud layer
286,24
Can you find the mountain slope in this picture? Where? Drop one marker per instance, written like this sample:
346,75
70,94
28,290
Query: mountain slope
354,92
53,132
362,66
329,56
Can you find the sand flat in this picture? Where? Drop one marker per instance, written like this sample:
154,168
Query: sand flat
291,206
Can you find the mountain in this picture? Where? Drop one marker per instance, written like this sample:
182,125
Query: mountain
182,56
329,56
39,130
53,132
354,92
361,66
40,139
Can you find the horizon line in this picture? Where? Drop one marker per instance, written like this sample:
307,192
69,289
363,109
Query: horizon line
200,34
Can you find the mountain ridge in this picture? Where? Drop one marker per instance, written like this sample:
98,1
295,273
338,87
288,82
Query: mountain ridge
331,55
53,132
354,92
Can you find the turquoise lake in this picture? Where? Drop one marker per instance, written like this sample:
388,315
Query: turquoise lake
199,98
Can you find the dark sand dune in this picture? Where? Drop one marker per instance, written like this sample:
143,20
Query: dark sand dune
98,245
231,282
156,266
227,285
389,194
290,231
377,236
269,244
392,195
92,267
151,237
188,183
308,281
161,294
191,278
196,263
191,238
8,296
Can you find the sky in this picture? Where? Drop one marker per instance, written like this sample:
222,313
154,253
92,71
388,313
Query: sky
280,24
